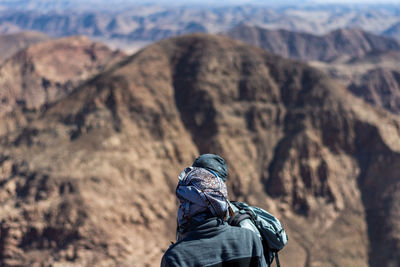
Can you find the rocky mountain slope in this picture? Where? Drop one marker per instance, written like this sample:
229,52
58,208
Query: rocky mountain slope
336,44
91,180
371,77
380,87
362,61
46,72
11,43
393,31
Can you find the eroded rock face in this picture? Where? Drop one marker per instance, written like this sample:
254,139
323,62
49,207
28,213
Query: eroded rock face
48,71
91,180
380,87
366,63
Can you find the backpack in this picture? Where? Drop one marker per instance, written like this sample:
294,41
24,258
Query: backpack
273,235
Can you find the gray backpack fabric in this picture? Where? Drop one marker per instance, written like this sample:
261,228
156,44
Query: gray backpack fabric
273,235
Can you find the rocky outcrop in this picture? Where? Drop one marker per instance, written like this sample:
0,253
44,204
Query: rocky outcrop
91,180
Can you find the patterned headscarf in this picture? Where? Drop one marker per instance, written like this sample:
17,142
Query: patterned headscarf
213,163
200,193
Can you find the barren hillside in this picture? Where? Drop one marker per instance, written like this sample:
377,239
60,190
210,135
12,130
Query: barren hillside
307,47
11,43
91,180
362,61
48,71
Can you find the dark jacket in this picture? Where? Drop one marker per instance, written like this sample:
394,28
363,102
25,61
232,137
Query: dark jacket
215,243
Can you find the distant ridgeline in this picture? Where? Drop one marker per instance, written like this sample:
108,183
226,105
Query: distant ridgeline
366,63
132,21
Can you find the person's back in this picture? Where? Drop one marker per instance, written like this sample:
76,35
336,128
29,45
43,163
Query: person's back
216,243
206,239
263,224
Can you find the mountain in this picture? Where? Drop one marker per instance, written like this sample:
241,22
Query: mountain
393,31
380,87
360,60
90,180
11,43
122,22
370,77
56,23
303,46
45,72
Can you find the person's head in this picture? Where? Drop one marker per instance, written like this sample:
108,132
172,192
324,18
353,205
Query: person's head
213,163
201,195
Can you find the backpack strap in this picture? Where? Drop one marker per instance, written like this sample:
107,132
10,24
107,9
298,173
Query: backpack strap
277,259
245,212
239,216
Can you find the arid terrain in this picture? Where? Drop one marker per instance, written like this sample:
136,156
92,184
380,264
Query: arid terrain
302,101
12,43
124,24
46,72
367,64
90,179
337,45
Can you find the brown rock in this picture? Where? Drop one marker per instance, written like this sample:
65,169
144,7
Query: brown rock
308,47
46,72
364,62
380,87
12,43
296,143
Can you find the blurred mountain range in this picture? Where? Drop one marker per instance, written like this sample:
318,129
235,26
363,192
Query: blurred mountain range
128,23
337,44
304,106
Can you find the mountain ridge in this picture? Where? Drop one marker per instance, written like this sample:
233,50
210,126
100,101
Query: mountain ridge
349,56
304,46
150,23
11,43
47,71
296,143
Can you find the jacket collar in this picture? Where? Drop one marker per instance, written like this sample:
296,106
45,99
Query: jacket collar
206,228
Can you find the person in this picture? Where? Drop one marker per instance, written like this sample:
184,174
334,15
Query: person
217,165
267,223
204,237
